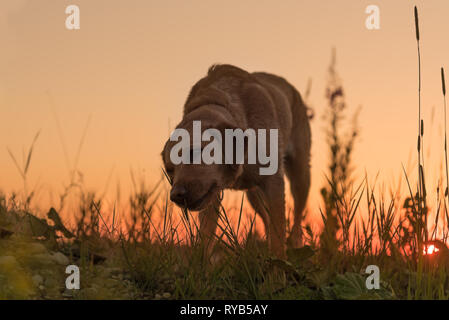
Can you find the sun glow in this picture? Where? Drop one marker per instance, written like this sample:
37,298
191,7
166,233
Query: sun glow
430,249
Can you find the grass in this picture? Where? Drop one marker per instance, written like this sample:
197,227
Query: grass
161,253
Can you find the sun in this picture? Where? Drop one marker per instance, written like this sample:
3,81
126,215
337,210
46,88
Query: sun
430,249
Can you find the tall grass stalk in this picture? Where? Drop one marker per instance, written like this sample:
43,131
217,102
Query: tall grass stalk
443,86
23,170
421,198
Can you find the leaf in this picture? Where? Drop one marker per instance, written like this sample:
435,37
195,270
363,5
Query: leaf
58,225
299,255
283,264
351,286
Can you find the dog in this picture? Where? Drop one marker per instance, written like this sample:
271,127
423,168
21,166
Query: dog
230,97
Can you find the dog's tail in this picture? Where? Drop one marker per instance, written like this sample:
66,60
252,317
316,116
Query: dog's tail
303,114
299,102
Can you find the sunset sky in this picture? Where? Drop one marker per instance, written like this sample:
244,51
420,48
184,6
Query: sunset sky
132,63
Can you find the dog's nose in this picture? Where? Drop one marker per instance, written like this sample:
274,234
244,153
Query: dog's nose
178,194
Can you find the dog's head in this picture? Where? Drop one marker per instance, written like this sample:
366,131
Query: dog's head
195,184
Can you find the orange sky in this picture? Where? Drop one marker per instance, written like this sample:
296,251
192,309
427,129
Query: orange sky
132,63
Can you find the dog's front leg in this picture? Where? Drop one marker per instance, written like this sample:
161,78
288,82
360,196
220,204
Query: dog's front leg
273,190
208,218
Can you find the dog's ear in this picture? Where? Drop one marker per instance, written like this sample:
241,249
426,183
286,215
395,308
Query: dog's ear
164,150
257,100
234,170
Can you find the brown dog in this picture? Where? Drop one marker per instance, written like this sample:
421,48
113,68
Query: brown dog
229,98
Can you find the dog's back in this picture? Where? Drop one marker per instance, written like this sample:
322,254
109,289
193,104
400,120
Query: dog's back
247,96
259,101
